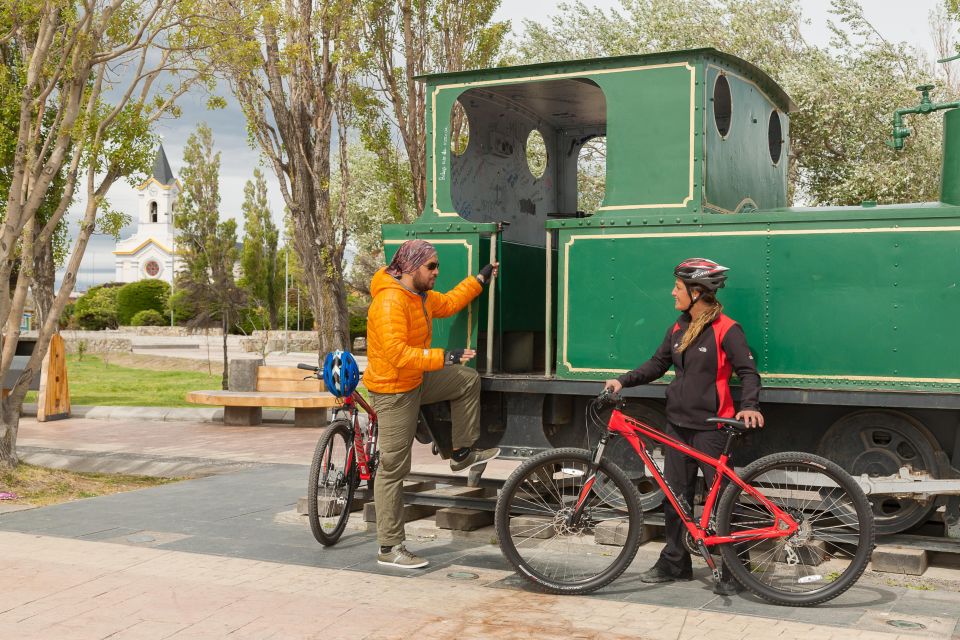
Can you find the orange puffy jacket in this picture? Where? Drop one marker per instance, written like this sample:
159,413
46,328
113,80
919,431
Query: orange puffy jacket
399,328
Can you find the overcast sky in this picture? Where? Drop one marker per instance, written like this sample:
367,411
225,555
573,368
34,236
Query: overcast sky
896,20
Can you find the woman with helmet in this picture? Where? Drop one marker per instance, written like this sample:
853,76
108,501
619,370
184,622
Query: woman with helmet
704,347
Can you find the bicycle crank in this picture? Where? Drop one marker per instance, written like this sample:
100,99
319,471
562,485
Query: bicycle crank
705,553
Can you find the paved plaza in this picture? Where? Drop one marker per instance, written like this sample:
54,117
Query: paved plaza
226,555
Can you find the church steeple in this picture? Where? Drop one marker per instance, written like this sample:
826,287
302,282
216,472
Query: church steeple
161,169
148,253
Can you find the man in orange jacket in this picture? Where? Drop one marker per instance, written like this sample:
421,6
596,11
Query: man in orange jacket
403,372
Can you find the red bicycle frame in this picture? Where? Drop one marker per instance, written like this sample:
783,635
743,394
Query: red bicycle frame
358,451
631,429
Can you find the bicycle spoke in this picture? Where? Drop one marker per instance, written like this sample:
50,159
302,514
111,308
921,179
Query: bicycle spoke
820,552
541,529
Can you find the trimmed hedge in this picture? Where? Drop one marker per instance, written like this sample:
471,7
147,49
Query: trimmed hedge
97,308
141,296
148,318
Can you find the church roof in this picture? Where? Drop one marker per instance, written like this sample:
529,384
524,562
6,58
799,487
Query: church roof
161,168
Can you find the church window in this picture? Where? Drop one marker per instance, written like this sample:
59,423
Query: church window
153,212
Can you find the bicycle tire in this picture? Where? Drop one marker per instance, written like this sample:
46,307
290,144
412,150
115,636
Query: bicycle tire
613,495
331,493
830,551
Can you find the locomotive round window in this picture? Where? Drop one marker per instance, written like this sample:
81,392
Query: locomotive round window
722,105
459,129
152,268
775,136
536,154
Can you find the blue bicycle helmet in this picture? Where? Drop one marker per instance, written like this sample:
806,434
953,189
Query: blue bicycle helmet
341,375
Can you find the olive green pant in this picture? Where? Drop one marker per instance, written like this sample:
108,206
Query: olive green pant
397,414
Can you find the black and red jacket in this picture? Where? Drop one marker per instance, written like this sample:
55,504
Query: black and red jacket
701,388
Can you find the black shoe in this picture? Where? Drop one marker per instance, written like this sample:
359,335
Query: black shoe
657,574
727,588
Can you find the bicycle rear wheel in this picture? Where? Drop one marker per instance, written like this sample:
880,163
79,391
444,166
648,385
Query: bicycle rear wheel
829,552
537,537
332,483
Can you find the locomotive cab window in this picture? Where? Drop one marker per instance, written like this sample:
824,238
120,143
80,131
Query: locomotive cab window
521,163
775,136
536,154
722,105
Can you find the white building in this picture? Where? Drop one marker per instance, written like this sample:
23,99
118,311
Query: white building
148,253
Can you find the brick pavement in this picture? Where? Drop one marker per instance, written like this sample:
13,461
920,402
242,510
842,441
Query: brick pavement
68,589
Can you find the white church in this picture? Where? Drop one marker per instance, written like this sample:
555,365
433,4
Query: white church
149,252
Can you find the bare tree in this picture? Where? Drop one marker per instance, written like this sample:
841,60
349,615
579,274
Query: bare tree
407,38
286,65
93,64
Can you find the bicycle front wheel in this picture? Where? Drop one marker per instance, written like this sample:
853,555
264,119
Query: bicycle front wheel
828,553
332,483
539,537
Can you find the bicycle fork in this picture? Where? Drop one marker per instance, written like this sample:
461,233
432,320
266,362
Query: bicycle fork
574,517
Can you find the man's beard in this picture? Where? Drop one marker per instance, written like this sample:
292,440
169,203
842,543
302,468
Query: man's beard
422,284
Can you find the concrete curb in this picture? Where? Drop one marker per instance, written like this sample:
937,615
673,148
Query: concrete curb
138,464
162,414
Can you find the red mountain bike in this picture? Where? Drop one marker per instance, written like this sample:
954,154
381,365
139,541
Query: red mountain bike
346,455
793,528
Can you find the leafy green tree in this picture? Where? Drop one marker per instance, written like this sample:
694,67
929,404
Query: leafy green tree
182,307
262,279
99,132
207,247
49,256
404,39
139,296
97,308
365,197
290,66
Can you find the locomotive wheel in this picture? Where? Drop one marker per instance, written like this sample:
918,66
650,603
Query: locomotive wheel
878,443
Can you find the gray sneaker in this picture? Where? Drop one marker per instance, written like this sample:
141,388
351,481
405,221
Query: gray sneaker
398,556
474,458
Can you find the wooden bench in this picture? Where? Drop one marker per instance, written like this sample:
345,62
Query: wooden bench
276,387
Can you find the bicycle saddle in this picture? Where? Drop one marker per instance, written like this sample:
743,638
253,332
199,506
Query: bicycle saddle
736,425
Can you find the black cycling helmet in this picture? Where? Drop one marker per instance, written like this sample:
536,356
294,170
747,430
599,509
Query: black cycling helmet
701,272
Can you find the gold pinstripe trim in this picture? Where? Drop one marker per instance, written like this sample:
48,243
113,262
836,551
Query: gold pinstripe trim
782,232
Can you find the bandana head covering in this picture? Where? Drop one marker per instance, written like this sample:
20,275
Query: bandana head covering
410,256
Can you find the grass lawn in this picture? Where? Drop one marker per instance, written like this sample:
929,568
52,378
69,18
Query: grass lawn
41,486
95,382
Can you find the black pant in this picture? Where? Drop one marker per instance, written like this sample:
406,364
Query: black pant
681,473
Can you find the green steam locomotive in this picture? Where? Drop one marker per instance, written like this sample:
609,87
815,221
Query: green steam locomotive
848,308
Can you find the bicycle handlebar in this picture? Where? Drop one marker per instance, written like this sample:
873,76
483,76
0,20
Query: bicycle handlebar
308,367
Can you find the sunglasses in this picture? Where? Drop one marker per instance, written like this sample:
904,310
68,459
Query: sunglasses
432,266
